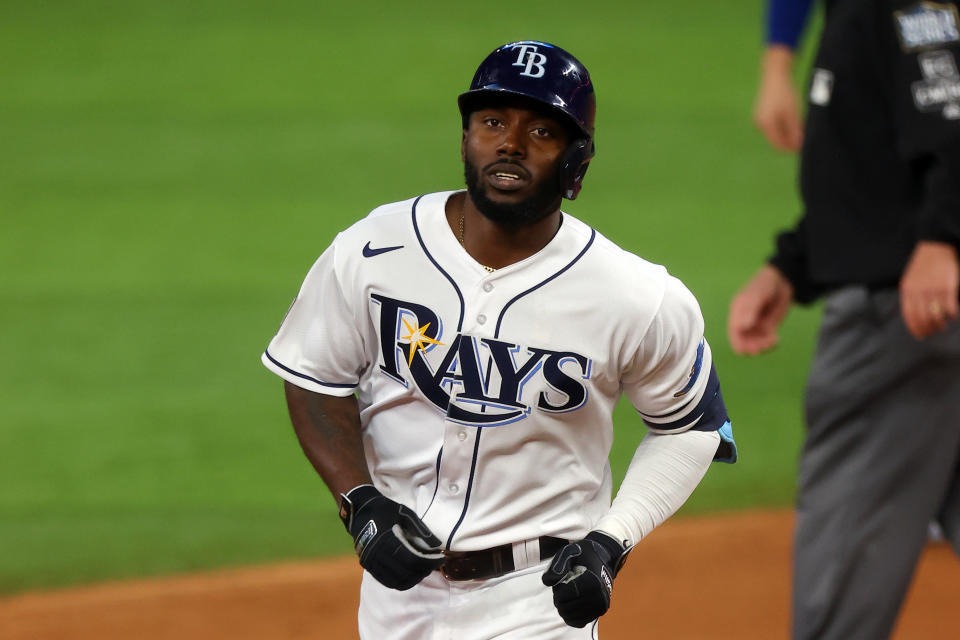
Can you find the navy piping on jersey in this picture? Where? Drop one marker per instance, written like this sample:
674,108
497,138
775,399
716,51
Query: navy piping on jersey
332,385
436,486
663,416
423,246
416,229
466,498
593,234
476,447
710,411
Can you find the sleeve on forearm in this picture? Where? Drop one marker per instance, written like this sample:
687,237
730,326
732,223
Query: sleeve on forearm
791,260
663,473
785,21
940,215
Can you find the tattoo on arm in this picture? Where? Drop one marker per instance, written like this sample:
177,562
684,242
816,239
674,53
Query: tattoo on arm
328,429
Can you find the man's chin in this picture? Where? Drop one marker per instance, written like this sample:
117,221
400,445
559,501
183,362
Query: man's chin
511,212
511,208
508,199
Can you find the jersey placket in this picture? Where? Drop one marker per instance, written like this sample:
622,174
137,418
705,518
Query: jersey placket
457,479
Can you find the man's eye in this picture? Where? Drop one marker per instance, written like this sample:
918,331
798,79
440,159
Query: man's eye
492,122
541,132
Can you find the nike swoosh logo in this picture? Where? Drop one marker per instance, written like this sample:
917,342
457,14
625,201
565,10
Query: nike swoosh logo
368,252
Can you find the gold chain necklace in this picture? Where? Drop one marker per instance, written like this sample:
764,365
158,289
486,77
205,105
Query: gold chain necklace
460,238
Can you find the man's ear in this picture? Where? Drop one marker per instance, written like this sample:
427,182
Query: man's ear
463,147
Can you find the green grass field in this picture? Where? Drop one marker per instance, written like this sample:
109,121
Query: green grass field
169,171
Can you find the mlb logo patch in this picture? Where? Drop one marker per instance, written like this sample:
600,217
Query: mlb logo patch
821,87
927,24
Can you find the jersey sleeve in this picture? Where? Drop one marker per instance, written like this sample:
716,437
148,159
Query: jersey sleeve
672,382
924,40
318,346
785,21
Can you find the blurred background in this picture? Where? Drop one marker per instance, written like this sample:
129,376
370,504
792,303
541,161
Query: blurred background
170,170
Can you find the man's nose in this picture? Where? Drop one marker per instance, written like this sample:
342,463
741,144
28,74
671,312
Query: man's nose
512,143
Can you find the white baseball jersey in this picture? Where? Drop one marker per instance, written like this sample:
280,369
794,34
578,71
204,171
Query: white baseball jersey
486,398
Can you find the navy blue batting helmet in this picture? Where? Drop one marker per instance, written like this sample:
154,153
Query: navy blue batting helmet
548,75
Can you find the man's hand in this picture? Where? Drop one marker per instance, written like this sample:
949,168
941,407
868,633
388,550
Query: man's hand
394,545
581,575
928,288
757,311
776,109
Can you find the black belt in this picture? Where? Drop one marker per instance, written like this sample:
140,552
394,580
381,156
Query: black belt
492,563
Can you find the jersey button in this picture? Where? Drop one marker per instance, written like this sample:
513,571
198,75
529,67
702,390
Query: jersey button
454,488
462,436
481,318
488,286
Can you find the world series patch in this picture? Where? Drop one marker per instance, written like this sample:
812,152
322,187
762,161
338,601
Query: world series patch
940,88
927,24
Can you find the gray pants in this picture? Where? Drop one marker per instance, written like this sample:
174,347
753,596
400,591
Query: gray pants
881,460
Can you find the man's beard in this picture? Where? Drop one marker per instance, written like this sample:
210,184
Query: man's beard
545,201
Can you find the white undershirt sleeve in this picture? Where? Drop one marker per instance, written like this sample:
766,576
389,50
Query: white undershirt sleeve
663,473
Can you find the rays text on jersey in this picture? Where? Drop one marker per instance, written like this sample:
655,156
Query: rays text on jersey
476,381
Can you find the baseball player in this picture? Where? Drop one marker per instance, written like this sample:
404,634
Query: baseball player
451,365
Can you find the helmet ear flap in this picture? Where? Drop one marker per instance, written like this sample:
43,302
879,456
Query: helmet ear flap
573,166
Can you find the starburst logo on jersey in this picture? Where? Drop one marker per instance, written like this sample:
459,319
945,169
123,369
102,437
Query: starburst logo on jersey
417,339
476,381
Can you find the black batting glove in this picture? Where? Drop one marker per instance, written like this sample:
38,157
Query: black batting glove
582,574
394,545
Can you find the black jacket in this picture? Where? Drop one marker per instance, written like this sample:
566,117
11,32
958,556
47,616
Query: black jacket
880,166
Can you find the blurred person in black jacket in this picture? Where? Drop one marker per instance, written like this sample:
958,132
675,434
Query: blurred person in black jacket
877,241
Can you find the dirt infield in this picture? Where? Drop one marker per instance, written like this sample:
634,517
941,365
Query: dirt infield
694,578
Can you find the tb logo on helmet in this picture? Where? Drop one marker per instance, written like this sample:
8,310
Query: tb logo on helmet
531,60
